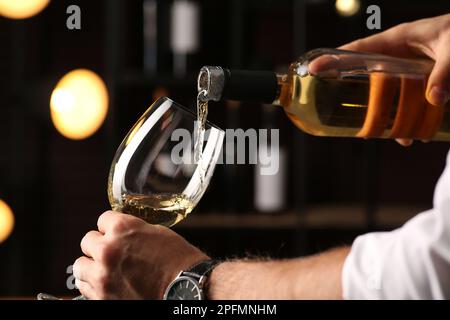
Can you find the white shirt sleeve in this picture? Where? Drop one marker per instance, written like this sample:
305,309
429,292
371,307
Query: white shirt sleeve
412,262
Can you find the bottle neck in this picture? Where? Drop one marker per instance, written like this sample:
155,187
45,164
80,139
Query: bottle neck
218,84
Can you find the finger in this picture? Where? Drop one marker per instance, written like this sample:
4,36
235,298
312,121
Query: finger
325,62
85,289
83,269
405,142
89,243
438,87
393,41
107,220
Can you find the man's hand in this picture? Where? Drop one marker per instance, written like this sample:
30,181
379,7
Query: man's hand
130,259
427,37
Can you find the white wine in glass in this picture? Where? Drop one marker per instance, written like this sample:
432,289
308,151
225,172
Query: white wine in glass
155,174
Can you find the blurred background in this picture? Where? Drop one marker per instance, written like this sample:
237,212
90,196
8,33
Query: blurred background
55,155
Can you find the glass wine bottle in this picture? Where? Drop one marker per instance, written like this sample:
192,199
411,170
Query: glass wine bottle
330,92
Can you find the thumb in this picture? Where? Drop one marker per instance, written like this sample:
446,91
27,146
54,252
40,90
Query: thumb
438,87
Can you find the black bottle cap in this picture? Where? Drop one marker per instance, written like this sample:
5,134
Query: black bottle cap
250,86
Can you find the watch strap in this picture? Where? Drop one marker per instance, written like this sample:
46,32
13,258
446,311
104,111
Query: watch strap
204,267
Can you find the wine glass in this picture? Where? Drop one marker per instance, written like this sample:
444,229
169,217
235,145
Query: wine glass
156,174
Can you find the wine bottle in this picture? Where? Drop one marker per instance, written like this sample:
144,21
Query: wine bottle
230,172
330,92
150,10
270,189
185,35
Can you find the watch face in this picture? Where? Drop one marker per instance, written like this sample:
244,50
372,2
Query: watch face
184,288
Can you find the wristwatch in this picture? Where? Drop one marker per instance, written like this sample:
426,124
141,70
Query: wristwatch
189,284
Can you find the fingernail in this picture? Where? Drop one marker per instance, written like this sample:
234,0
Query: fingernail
437,96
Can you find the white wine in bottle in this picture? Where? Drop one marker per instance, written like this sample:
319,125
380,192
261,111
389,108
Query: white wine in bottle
330,92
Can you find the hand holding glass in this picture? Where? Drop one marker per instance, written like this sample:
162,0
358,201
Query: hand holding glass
154,174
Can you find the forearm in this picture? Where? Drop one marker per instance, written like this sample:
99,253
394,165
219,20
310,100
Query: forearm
313,277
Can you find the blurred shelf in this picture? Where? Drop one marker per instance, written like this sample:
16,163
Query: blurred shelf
317,217
142,79
244,220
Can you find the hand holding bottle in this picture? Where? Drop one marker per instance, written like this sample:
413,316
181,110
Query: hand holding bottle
344,93
427,37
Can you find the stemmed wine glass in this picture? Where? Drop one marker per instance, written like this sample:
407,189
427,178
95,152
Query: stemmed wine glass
155,174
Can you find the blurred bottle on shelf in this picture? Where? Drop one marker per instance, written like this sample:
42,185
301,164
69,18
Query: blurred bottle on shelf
163,163
150,17
270,185
237,178
230,171
185,37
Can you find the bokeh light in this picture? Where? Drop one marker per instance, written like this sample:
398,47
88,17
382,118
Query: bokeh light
347,8
21,9
79,104
6,221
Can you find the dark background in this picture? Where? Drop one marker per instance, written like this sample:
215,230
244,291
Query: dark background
336,188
